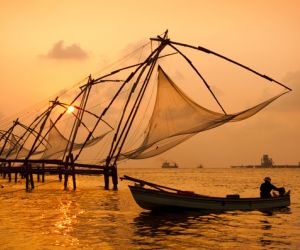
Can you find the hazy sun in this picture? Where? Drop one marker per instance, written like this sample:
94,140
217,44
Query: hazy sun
70,109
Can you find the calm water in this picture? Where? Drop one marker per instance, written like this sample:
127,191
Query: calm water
91,218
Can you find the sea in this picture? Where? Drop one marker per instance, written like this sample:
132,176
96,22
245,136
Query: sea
93,218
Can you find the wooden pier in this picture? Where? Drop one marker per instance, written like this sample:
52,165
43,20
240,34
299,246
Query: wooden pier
26,169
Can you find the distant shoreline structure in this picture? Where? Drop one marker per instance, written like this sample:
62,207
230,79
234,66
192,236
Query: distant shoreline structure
167,164
267,162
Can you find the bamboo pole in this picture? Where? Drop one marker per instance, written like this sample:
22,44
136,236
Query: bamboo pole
112,148
31,176
43,172
66,173
139,99
9,172
38,174
60,116
60,174
80,115
227,59
73,171
47,115
31,131
202,78
9,134
112,100
26,175
37,120
106,177
114,175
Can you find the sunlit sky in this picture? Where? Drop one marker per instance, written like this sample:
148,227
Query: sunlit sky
47,46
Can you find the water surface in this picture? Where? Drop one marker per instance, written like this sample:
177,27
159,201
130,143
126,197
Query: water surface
92,218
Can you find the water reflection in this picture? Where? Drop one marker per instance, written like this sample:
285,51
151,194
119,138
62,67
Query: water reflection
162,227
92,218
270,235
274,211
152,223
67,217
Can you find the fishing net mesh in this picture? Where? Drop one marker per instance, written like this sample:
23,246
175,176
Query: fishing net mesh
176,118
166,117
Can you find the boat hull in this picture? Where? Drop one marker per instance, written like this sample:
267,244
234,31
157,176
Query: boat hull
156,200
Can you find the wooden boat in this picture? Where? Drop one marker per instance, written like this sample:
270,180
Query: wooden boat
159,197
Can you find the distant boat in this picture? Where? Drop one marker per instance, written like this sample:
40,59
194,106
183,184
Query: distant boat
167,164
200,166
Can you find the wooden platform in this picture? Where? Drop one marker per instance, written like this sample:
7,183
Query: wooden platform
27,168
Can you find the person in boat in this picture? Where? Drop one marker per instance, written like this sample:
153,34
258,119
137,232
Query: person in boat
267,187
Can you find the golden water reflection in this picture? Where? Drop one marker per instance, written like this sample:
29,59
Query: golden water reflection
92,218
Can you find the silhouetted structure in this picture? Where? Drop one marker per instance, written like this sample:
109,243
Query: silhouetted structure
45,147
267,162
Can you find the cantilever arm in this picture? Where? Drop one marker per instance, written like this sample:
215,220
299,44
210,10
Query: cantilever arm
232,61
225,58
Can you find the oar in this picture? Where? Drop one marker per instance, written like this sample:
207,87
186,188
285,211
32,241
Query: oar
126,177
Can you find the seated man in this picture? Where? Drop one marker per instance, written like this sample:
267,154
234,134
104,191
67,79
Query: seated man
267,187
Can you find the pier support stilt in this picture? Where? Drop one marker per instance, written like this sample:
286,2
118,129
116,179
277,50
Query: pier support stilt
114,175
73,171
60,174
27,176
106,178
38,174
31,177
66,179
43,172
9,173
66,173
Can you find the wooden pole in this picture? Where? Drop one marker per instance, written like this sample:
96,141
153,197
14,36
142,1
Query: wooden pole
135,108
73,171
66,173
31,176
37,120
43,172
227,59
9,172
119,145
202,78
106,178
8,134
113,100
45,118
26,175
38,174
60,174
114,175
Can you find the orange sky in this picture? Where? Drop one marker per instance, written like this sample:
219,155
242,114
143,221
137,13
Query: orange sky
47,46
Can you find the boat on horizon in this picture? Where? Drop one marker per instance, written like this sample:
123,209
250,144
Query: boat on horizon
167,164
